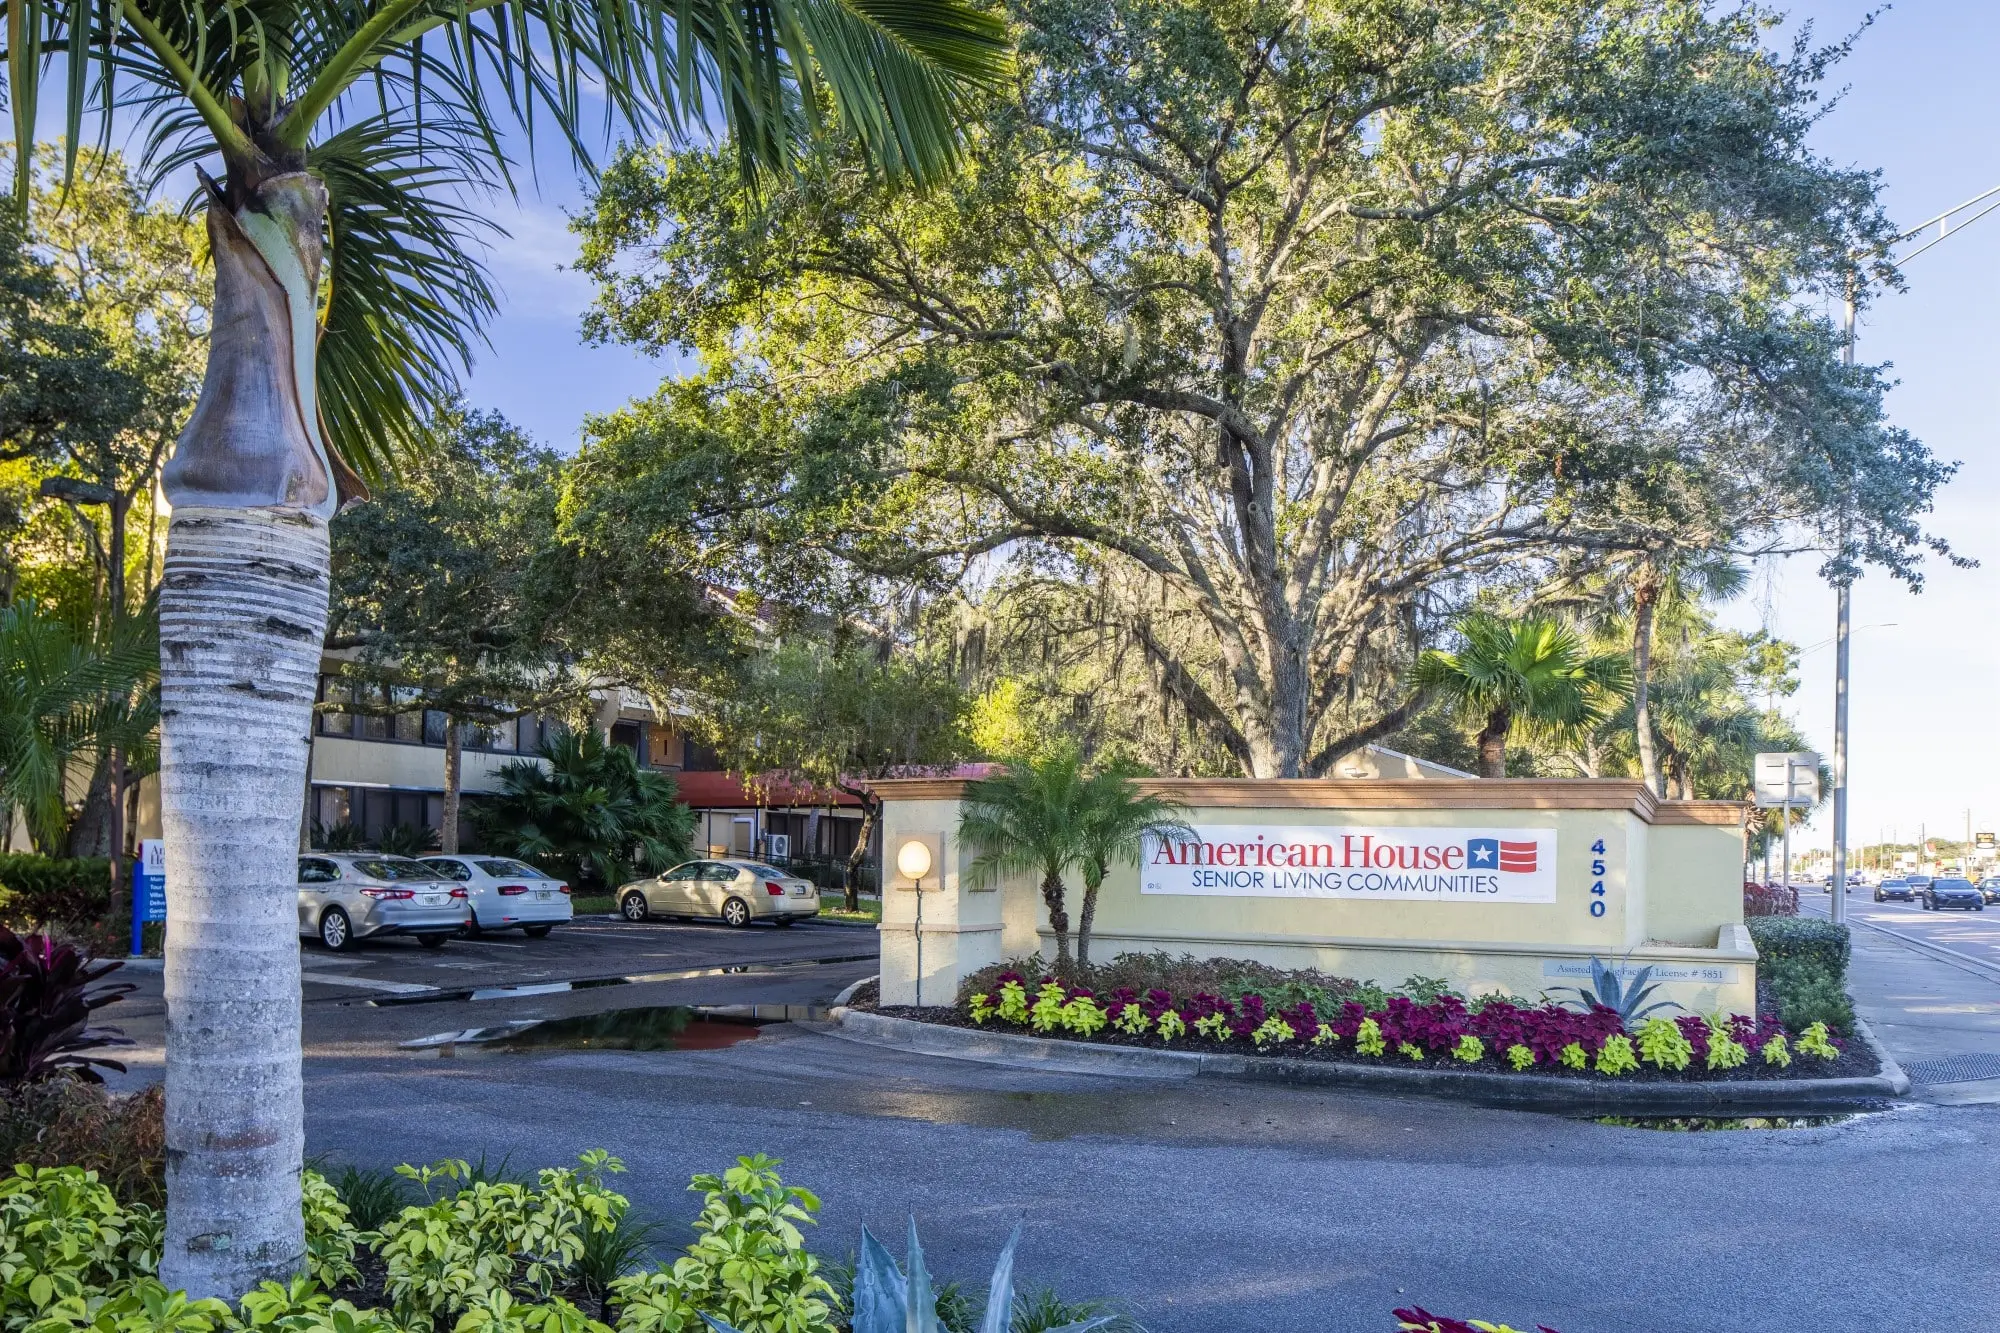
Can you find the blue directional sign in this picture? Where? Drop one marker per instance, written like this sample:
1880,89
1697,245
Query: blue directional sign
149,890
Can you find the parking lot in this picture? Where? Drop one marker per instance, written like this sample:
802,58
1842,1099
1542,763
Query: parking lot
391,990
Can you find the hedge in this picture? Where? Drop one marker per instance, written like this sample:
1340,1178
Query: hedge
1783,941
40,889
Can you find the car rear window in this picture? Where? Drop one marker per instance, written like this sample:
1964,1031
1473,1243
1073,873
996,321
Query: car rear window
1951,883
386,869
763,871
510,868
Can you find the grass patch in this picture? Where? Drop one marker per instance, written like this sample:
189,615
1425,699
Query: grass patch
832,907
595,904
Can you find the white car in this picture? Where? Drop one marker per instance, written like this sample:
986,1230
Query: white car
506,893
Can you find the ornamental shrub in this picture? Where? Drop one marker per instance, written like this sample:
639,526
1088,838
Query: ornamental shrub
1806,995
1725,1051
1273,1031
1615,1056
1368,1038
1047,1011
1469,1049
980,1008
1013,997
1520,1057
1776,1052
1785,940
1169,1025
1662,1044
1816,1040
1081,1014
40,890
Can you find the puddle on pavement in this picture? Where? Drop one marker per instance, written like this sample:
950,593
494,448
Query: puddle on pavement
1694,1124
597,983
669,1027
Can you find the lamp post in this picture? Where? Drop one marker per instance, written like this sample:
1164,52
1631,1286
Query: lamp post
913,858
1844,583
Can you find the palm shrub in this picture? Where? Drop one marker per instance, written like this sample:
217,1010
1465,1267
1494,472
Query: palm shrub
591,815
1533,675
1115,816
342,151
1029,818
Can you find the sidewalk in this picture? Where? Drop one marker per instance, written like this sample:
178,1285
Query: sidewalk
1939,1015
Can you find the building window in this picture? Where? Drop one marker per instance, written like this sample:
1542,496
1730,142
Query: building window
696,758
333,691
628,735
663,747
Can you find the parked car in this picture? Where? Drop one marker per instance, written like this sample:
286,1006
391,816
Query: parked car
738,892
345,897
1898,889
1989,888
506,893
1946,892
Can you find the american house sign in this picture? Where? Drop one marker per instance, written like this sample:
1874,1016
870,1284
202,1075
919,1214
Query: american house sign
1438,864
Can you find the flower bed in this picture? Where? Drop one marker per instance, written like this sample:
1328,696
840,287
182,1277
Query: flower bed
1493,1035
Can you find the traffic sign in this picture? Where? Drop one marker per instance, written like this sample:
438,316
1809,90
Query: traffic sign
1775,769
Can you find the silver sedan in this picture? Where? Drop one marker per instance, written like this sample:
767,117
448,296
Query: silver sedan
507,893
738,892
349,896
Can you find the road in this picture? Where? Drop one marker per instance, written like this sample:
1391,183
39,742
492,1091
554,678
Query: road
1975,935
1203,1207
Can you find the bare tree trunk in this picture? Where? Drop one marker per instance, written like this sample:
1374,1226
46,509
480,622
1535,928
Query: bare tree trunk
243,604
1493,744
1644,598
1052,895
871,804
116,820
453,755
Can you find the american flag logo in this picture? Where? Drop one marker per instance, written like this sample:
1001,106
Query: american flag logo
1517,857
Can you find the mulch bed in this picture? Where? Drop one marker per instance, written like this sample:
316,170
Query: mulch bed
1857,1060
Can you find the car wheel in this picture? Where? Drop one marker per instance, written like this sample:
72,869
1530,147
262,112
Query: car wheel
736,913
432,941
537,932
633,906
336,932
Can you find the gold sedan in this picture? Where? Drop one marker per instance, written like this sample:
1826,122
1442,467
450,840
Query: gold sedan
734,892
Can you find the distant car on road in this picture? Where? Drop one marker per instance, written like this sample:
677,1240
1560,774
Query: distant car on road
1919,882
1942,893
1897,889
506,893
737,891
1989,888
346,897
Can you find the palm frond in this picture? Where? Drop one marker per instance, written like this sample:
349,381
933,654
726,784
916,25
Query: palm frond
407,293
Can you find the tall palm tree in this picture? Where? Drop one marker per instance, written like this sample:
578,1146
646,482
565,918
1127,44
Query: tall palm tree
1534,674
1029,819
1116,816
352,137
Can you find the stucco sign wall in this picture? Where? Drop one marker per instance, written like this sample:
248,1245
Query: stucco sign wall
1490,865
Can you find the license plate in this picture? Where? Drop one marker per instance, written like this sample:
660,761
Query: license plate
545,894
434,899
799,892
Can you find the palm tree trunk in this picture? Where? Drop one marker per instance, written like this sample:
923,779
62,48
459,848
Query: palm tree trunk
453,758
243,604
1643,601
1493,743
1093,880
1052,894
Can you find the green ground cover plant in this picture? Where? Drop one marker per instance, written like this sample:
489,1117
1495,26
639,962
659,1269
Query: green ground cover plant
468,1247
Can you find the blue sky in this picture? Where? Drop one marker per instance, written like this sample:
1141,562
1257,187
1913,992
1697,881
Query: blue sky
1921,105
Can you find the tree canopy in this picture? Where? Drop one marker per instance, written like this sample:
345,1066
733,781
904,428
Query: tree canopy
1256,344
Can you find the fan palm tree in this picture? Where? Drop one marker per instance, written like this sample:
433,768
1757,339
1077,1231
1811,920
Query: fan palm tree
1534,674
1115,817
1029,819
342,145
590,813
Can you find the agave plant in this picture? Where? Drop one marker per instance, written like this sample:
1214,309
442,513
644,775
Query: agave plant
888,1300
45,1011
1626,998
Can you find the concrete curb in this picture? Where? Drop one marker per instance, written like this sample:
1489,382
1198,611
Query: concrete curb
1526,1092
847,991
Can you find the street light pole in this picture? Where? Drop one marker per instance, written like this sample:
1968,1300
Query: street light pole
1843,598
1843,590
